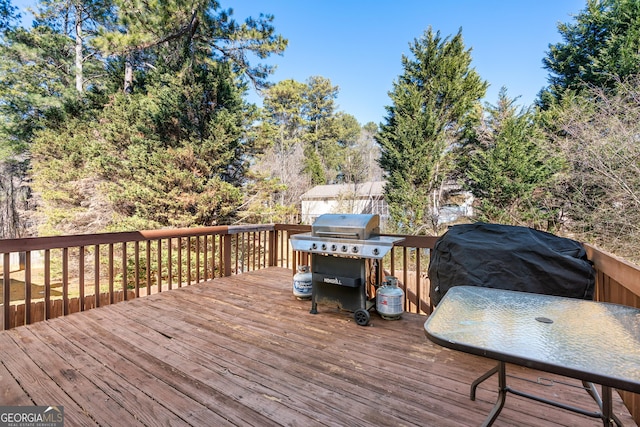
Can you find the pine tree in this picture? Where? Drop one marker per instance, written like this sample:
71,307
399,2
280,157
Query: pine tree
173,149
431,100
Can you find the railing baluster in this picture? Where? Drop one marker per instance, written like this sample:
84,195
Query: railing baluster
125,270
188,261
169,264
27,288
6,291
65,281
407,303
213,256
136,267
47,284
204,259
111,296
236,254
197,259
159,273
179,262
221,254
418,283
96,275
148,265
81,278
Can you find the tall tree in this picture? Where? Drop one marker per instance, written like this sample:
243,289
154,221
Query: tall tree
174,151
79,20
509,166
431,101
33,82
319,111
601,47
285,129
209,31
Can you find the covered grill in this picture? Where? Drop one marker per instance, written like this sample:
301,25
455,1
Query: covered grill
344,250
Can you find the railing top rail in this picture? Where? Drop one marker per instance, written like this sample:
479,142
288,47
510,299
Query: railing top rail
615,267
55,242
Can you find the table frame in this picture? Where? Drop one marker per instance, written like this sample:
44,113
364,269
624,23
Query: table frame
587,378
605,403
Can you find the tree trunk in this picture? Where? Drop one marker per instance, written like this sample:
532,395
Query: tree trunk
128,74
79,57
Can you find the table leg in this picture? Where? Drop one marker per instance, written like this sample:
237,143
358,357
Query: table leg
605,403
502,394
608,417
480,379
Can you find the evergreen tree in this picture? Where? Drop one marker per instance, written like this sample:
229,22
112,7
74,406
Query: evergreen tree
172,152
431,101
285,128
600,48
8,14
200,26
319,111
509,166
79,20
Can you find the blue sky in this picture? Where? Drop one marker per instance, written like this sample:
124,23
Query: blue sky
358,44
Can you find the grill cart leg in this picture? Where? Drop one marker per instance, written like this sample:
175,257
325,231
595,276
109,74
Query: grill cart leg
314,303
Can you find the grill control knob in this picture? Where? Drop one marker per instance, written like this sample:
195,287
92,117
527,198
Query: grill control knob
354,249
344,248
324,246
314,246
376,251
334,248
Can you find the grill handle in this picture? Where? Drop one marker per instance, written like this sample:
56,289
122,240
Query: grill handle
336,234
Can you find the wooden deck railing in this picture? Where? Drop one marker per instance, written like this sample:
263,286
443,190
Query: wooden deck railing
47,277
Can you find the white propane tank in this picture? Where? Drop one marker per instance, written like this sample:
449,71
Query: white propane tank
389,299
302,283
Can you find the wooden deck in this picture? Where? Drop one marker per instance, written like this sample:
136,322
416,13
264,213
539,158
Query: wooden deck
242,350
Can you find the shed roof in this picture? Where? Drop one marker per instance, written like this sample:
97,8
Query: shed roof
366,189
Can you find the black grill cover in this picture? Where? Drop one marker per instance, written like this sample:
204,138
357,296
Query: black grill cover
509,257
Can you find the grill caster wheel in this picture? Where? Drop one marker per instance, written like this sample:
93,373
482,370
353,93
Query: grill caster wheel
362,317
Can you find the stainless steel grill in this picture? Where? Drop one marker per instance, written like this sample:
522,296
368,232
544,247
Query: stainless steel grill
344,249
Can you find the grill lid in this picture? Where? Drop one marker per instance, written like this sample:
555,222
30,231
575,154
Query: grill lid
346,226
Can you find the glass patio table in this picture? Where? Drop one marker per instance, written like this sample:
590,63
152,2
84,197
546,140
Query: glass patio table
590,341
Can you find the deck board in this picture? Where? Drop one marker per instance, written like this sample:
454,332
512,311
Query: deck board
243,351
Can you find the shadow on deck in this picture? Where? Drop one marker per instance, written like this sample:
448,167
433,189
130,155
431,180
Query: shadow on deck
241,350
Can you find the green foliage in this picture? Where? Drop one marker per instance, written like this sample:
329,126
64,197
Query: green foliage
306,143
313,167
31,83
174,152
8,14
431,102
601,47
319,111
509,166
